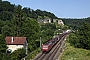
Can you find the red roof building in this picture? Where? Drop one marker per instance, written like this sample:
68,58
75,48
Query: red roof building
15,40
14,43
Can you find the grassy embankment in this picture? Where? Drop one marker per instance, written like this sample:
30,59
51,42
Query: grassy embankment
72,53
33,54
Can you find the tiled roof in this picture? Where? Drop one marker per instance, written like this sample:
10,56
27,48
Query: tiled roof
16,40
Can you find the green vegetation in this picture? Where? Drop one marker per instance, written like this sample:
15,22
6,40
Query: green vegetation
73,23
2,48
78,43
16,55
33,54
83,35
81,38
72,53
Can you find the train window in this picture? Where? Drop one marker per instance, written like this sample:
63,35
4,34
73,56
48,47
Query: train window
46,43
49,42
45,46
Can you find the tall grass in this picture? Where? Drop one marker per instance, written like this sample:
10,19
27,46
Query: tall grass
72,53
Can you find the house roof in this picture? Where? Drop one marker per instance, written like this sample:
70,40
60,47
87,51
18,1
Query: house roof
15,40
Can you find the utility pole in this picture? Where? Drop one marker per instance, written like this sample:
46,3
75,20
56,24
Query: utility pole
40,43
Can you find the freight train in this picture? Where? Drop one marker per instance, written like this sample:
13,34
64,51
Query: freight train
49,45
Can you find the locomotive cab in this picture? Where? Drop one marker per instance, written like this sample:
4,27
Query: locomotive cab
46,47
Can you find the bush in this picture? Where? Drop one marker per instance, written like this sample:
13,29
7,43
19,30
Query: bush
17,55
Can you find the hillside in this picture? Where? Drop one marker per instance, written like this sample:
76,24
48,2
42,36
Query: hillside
73,23
72,53
7,10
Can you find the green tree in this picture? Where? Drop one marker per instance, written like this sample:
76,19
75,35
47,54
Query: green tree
18,21
6,6
31,30
81,38
84,35
6,30
27,11
1,25
17,55
5,15
2,48
73,39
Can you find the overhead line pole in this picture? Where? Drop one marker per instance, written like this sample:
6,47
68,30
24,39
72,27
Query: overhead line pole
40,43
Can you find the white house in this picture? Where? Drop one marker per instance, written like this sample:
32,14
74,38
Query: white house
55,20
47,20
60,22
14,43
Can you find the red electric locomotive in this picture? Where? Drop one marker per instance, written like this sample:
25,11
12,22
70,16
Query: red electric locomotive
47,46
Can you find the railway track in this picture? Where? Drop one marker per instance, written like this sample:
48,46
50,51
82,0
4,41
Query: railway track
55,50
53,54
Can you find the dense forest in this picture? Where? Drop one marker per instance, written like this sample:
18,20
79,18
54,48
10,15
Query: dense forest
73,23
81,38
18,21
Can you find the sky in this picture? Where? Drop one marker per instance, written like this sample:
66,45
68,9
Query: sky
60,8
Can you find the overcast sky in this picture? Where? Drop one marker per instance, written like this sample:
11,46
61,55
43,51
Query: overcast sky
61,8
